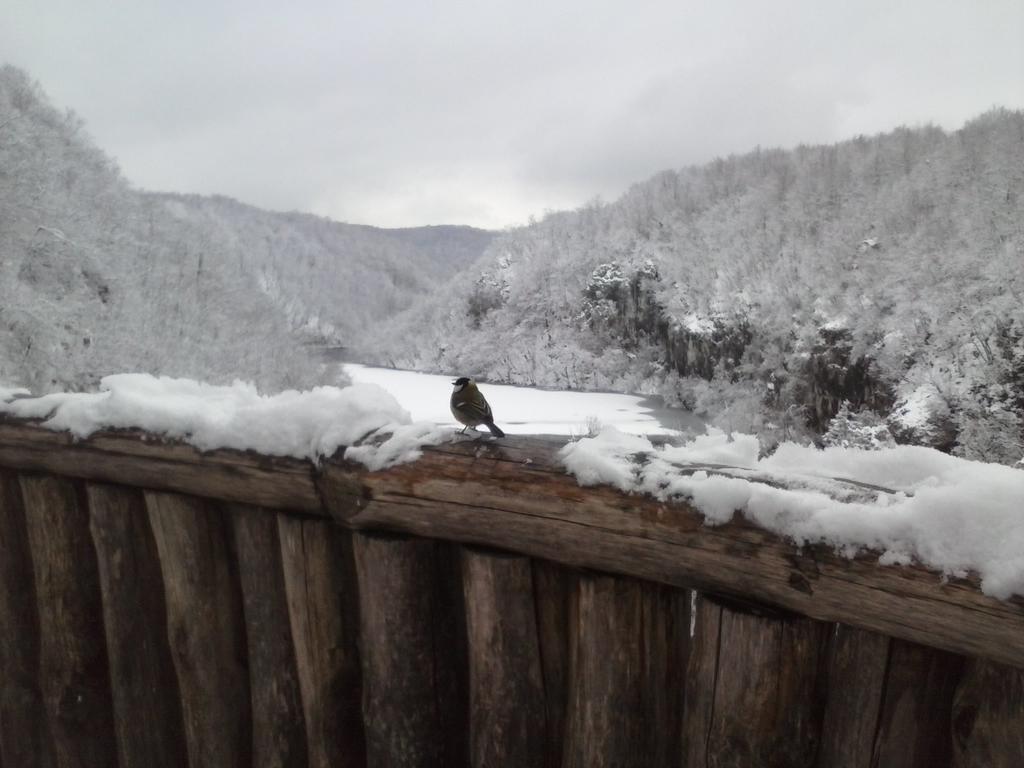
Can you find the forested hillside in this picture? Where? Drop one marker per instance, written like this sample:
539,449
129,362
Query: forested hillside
97,277
332,280
881,279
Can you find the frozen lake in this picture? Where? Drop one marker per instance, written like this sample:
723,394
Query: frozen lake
529,411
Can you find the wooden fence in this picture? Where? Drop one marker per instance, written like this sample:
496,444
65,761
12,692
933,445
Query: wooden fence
162,607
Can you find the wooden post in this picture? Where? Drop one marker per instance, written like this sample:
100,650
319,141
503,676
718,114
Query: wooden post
988,717
320,580
605,721
452,667
914,724
802,688
206,628
666,643
701,680
763,692
279,730
553,587
24,740
403,679
506,690
858,661
150,729
73,669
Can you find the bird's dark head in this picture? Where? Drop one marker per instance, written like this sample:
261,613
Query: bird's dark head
461,382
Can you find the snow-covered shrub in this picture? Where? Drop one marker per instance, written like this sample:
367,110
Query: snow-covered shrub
484,297
489,291
994,434
863,429
603,296
606,282
923,417
678,392
732,406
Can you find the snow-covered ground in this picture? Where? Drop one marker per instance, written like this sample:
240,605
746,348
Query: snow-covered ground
525,410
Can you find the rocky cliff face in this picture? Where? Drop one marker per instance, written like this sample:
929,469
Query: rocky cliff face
623,305
833,375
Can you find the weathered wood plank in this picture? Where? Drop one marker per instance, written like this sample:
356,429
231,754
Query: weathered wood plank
553,588
756,691
278,726
858,662
802,689
507,716
488,494
24,740
665,627
605,722
988,717
452,666
745,728
73,669
150,729
403,697
701,680
915,721
320,580
133,458
629,645
205,627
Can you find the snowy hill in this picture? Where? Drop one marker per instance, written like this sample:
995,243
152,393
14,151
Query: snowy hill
766,290
331,280
97,277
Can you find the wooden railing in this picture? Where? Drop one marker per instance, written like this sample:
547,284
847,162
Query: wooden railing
160,606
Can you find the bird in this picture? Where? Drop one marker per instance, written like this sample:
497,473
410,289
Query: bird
470,407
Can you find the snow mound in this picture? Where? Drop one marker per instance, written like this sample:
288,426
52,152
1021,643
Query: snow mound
306,425
910,503
9,393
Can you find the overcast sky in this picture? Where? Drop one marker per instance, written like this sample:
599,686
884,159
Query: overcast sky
485,113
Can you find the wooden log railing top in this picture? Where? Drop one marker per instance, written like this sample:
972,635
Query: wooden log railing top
513,494
133,457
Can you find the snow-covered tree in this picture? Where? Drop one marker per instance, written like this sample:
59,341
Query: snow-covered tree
862,429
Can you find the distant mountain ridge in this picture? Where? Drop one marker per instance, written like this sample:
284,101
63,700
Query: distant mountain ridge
332,280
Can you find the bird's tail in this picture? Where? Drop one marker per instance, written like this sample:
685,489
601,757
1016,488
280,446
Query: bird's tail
494,429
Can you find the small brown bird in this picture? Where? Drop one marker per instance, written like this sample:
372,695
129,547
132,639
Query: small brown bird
471,408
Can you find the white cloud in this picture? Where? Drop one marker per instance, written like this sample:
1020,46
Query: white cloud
483,113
